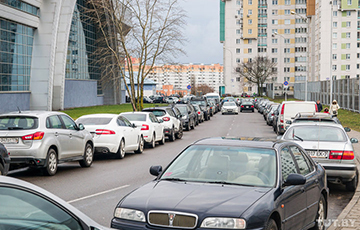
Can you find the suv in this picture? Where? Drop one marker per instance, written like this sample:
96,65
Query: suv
204,106
43,139
188,115
4,160
172,124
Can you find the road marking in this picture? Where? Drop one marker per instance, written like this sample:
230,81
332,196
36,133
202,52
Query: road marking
98,194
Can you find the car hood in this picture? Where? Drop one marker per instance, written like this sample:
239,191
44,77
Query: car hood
198,198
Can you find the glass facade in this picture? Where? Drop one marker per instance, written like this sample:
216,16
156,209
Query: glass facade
16,43
22,6
81,58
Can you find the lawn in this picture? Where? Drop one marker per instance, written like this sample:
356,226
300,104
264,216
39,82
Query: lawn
116,109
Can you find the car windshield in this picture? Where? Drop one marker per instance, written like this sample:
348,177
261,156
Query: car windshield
198,103
229,104
316,133
94,120
135,117
18,122
224,164
247,103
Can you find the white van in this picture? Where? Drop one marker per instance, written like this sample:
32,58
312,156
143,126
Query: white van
212,96
288,110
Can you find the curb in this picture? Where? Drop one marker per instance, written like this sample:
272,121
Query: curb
351,207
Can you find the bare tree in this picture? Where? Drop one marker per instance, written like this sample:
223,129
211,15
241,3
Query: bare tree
257,71
136,34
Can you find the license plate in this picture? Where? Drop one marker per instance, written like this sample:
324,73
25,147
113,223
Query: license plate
8,140
247,106
318,154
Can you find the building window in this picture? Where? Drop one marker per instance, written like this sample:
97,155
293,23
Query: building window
287,21
334,67
335,13
274,41
238,41
238,31
358,55
237,51
249,41
287,2
334,56
274,50
349,2
334,24
238,3
274,60
357,66
274,12
274,21
334,46
286,69
23,6
250,60
250,31
16,44
250,2
286,60
287,31
287,40
274,2
287,12
286,50
348,13
237,60
347,45
262,50
250,21
274,31
249,50
334,35
347,56
249,12
348,24
347,67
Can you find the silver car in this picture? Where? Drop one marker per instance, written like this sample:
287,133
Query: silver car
43,139
328,144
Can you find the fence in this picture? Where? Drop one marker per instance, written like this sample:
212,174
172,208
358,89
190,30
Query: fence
345,91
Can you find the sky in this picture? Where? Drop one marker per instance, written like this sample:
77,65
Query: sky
202,32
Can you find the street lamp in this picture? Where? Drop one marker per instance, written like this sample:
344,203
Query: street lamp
231,67
307,49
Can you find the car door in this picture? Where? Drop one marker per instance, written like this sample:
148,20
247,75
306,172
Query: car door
157,126
130,134
312,188
56,130
293,196
76,144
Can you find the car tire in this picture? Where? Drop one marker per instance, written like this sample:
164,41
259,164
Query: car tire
187,128
162,141
2,170
351,185
152,143
271,225
180,134
51,163
320,215
172,135
193,124
88,156
141,145
120,154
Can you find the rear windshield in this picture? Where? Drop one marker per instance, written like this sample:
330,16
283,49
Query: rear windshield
313,120
18,122
135,117
198,103
94,120
157,113
316,133
247,103
229,104
183,110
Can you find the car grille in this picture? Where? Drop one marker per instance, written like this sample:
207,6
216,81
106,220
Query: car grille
172,219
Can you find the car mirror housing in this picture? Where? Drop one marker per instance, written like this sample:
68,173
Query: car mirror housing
133,125
295,179
155,170
354,140
347,129
81,126
160,120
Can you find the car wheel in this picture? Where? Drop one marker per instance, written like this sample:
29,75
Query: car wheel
271,225
51,163
88,156
120,154
193,125
172,135
162,141
2,170
179,135
152,144
141,145
351,185
320,215
187,128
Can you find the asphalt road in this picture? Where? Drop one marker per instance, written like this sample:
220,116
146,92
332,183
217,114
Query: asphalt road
97,190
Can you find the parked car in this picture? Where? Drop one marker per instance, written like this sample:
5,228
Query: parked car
247,105
188,115
157,99
27,206
171,100
44,139
200,113
204,106
288,110
172,125
4,160
216,104
113,134
315,117
150,127
329,145
271,114
229,107
177,114
147,100
229,183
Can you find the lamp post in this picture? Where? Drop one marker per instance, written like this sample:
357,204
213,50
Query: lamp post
307,49
231,66
331,37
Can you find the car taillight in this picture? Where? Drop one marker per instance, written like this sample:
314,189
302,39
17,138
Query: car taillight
242,106
272,114
316,108
252,106
166,118
341,155
282,114
104,131
34,136
199,112
144,127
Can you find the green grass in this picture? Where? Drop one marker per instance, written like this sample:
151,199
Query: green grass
116,109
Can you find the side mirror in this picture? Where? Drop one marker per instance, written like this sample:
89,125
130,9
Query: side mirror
155,170
347,129
295,179
81,126
133,125
354,140
189,112
288,122
160,120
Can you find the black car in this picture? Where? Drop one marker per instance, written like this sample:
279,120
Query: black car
247,105
204,106
230,183
4,160
188,115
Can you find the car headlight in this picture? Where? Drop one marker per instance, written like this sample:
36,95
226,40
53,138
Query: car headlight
129,214
223,223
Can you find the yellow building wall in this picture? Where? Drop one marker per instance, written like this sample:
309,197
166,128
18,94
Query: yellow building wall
253,16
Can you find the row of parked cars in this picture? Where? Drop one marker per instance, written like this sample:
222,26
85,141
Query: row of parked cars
320,134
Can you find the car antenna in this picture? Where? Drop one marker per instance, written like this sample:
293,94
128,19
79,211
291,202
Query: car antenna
18,109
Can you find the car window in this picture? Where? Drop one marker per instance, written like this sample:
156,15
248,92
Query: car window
287,163
169,110
53,122
18,122
183,110
158,113
120,122
316,133
304,168
126,121
68,122
94,120
135,116
25,210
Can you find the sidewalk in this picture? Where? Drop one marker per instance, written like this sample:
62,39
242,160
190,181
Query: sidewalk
349,218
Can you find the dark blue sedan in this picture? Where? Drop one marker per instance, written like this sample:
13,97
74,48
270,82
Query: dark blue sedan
230,183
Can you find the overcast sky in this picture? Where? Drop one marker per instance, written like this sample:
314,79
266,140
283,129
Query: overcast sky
202,31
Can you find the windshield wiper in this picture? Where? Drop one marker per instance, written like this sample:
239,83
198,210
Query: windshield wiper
299,138
227,183
12,128
173,179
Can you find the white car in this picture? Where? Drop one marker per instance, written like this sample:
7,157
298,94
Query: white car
113,133
151,128
229,107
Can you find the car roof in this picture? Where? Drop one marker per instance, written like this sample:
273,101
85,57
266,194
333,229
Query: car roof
31,113
258,142
155,108
137,112
313,115
110,115
317,124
